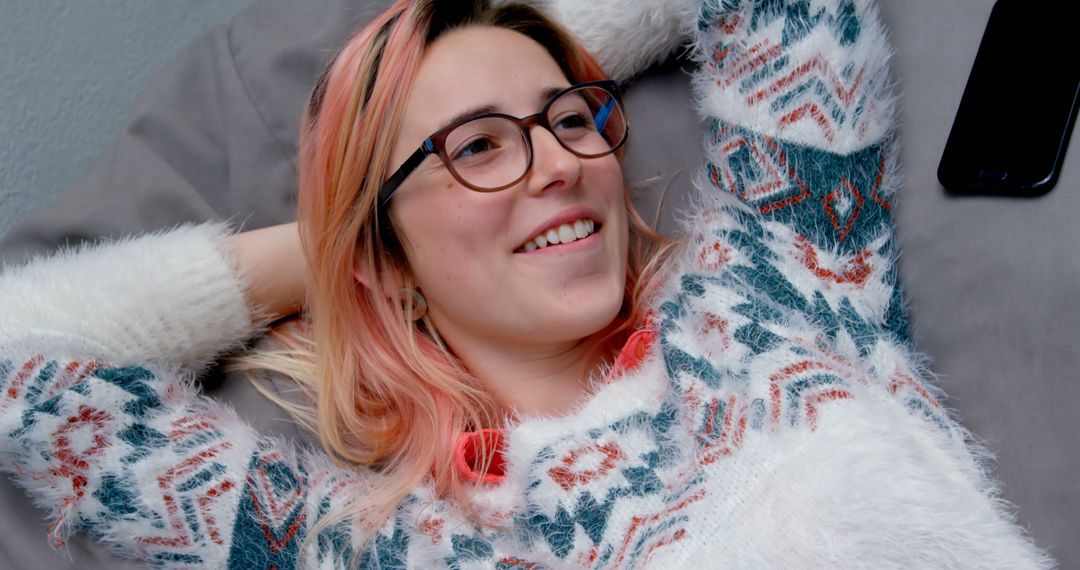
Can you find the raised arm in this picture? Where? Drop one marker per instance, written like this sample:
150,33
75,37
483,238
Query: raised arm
172,298
101,425
789,309
178,298
800,112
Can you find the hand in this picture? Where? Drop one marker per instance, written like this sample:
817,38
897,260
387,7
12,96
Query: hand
272,264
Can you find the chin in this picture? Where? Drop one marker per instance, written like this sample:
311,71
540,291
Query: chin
588,315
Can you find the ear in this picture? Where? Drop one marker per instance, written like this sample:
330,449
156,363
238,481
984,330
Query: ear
389,281
360,274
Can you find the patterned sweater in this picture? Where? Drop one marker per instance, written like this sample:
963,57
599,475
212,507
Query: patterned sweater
771,414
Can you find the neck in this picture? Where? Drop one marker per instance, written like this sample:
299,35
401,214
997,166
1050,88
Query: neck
533,380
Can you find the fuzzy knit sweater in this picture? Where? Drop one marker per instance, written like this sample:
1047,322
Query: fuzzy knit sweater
772,413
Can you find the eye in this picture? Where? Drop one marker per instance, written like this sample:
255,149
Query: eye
573,121
476,146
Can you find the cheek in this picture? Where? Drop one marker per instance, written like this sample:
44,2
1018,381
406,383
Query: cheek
608,180
613,188
608,176
448,239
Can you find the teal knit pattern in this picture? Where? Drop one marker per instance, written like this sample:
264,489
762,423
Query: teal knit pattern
784,312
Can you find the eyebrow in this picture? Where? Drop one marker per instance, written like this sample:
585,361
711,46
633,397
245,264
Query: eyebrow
545,96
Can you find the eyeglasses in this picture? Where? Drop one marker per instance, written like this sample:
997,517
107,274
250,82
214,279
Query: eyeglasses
493,151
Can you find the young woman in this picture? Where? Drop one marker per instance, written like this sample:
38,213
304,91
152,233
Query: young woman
506,366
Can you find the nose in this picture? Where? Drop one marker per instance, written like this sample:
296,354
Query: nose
553,167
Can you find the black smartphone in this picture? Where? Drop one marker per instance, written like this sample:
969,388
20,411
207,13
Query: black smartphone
1020,103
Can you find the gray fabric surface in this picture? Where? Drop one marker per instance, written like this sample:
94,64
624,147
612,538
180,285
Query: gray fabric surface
991,281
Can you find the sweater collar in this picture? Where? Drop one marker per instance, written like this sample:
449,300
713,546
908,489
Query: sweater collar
467,453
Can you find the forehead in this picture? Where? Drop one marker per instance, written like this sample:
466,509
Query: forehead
479,66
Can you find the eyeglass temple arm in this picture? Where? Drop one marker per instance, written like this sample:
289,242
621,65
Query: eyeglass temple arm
410,164
603,114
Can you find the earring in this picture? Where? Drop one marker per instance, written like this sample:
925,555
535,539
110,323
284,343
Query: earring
416,307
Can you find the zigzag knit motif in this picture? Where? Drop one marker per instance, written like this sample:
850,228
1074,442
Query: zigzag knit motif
771,412
809,71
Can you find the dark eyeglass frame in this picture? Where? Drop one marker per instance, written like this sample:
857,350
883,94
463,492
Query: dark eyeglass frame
436,143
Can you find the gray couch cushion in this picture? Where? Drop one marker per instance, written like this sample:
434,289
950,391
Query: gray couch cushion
991,281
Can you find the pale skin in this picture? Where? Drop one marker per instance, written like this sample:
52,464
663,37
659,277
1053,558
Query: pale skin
519,321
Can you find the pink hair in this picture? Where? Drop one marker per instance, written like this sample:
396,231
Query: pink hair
387,394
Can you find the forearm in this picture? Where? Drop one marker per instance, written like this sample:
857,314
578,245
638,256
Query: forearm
274,269
101,426
798,204
170,298
801,116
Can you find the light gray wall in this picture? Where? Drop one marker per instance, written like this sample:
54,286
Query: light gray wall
69,70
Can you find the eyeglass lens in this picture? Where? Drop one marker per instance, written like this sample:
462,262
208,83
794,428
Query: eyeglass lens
492,152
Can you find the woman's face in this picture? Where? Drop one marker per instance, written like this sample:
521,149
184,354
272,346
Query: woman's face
465,248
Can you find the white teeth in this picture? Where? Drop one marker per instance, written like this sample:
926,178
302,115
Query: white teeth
579,229
564,233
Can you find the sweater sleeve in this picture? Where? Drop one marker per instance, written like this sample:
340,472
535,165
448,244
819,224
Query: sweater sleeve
800,117
170,299
788,319
100,423
799,181
791,274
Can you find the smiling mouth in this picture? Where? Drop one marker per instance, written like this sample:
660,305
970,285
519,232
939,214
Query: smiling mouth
561,234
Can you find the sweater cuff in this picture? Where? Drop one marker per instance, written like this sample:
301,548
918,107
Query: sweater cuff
171,298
